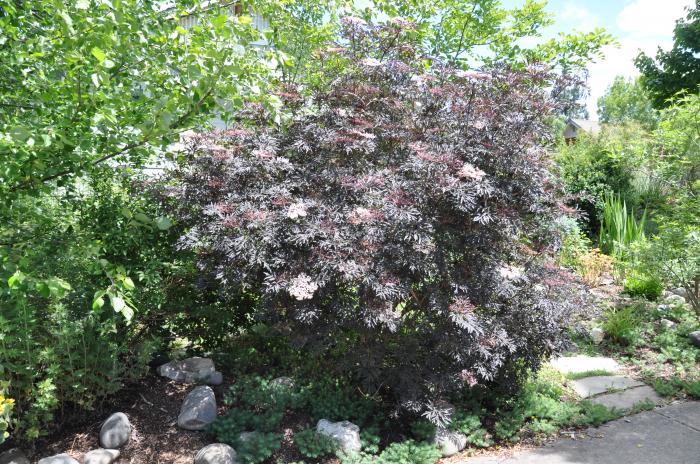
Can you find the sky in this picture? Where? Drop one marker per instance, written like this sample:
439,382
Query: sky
636,24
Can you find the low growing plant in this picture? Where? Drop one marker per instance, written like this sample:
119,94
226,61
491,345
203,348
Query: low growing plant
622,325
314,445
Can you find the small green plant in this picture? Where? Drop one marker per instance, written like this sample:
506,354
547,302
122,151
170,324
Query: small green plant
314,445
256,447
667,388
409,451
622,325
593,415
592,373
643,285
619,227
692,389
470,425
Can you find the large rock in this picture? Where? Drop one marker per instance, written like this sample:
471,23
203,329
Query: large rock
449,443
694,338
216,453
192,370
345,433
674,300
101,456
597,335
13,456
198,410
58,459
680,291
115,432
282,382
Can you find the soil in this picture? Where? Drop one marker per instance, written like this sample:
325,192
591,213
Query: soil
152,406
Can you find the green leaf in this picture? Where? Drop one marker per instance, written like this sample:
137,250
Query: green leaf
98,303
16,279
117,302
99,54
163,223
128,283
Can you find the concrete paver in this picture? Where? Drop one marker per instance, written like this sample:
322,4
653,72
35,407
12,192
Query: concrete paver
628,398
582,363
664,436
591,386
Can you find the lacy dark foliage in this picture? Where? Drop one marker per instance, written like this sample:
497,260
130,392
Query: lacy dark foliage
397,220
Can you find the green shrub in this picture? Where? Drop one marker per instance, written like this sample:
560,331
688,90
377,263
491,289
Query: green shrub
411,452
667,388
642,285
470,425
314,445
255,447
423,430
692,389
622,325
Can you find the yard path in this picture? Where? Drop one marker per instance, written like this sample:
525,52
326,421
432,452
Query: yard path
665,435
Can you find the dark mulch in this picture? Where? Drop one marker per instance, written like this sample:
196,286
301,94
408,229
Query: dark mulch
152,406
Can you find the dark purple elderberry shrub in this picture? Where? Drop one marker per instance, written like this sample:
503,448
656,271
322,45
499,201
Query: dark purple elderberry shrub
398,222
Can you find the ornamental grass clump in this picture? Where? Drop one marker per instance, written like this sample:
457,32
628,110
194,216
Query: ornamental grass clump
397,225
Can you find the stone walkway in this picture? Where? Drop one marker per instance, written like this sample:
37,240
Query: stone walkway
600,384
667,435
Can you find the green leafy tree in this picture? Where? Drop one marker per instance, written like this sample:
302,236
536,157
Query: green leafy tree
627,100
87,82
476,31
676,70
674,254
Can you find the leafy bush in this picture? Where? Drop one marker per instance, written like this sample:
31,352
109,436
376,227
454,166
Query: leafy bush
470,425
409,451
622,325
615,161
593,265
638,284
314,445
389,222
255,447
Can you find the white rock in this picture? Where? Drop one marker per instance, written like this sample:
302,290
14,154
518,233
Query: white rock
449,443
13,456
345,433
58,459
597,335
115,431
674,300
667,323
216,453
285,382
663,307
101,456
191,370
198,410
